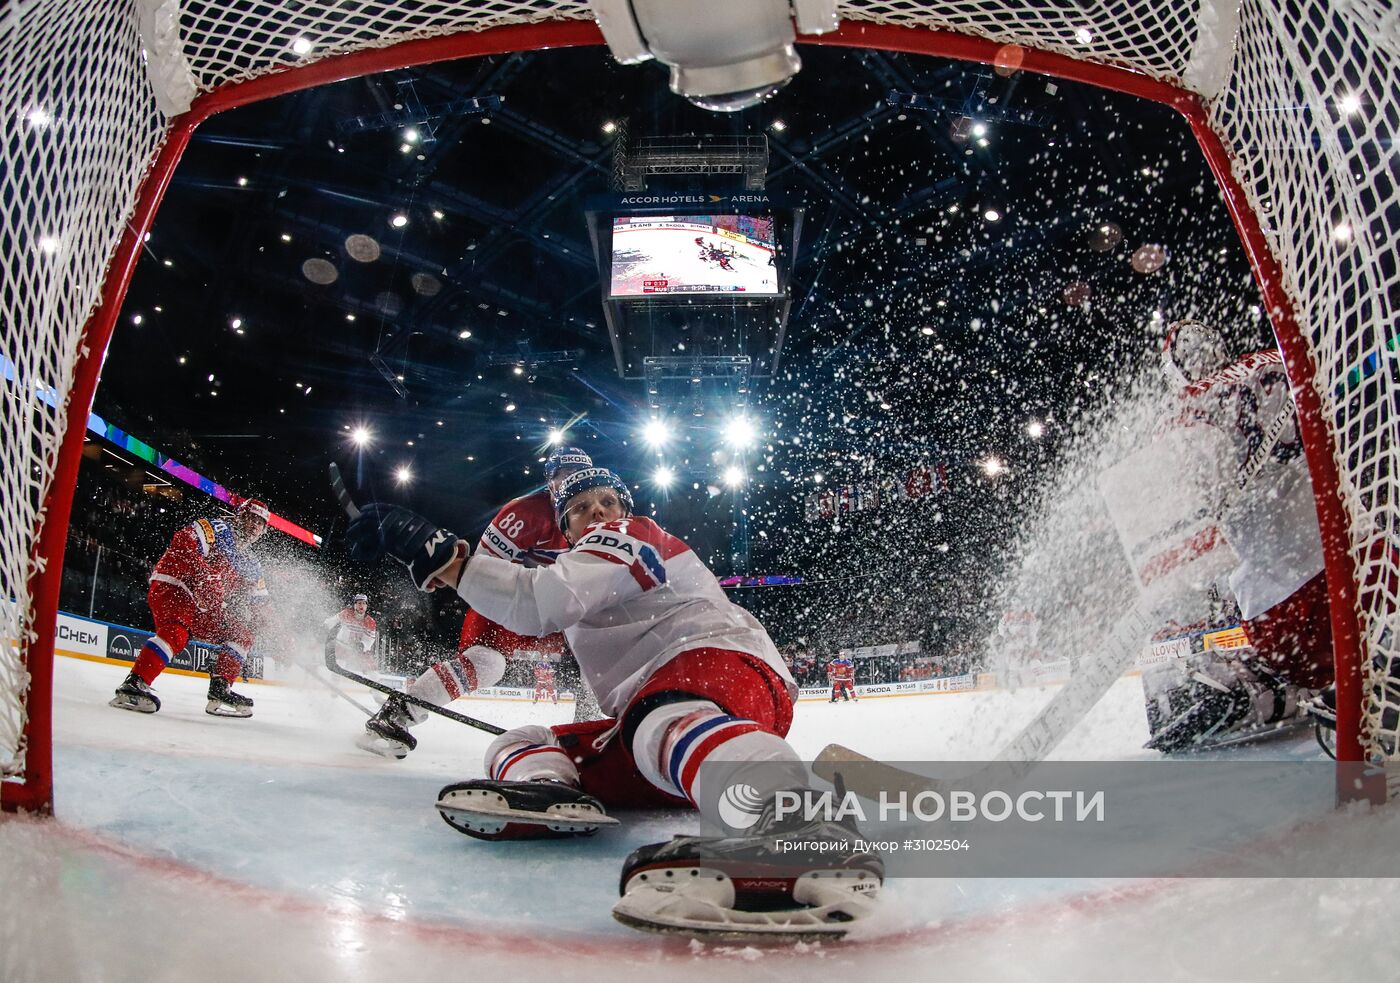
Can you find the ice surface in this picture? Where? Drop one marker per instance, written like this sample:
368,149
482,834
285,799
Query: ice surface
188,847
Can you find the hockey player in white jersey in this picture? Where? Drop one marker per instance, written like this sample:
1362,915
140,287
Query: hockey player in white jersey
355,634
687,678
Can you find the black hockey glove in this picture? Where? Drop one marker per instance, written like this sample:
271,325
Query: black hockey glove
407,537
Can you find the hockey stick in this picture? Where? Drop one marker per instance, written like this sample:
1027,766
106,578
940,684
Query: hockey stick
1088,683
375,684
342,494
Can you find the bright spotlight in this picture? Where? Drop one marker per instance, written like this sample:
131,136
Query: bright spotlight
993,466
399,221
979,129
1350,104
733,476
740,432
403,475
555,437
410,135
992,215
663,477
1035,429
656,432
360,436
301,46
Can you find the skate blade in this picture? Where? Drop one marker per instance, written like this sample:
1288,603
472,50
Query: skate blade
381,747
134,704
825,912
487,817
216,709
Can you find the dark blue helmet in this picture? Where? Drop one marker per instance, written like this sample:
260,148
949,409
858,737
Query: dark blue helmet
566,457
581,481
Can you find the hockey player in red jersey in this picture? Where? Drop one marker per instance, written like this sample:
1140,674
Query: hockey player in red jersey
206,587
1270,525
355,633
841,673
689,680
523,532
544,683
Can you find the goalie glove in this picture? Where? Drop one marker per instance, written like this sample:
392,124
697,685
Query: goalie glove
409,538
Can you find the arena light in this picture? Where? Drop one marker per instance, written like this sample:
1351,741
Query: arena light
1341,231
399,220
656,432
404,474
301,46
733,476
610,127
1349,104
1035,429
979,129
663,477
992,215
555,438
993,466
360,436
464,334
410,135
740,432
39,117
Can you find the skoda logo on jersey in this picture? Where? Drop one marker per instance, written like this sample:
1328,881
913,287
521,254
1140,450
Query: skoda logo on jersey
740,806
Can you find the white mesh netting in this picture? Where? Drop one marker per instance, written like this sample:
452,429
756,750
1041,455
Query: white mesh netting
83,121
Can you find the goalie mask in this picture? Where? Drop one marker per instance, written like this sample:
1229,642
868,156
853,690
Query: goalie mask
1192,351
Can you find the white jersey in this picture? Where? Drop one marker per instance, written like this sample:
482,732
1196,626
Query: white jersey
351,633
629,597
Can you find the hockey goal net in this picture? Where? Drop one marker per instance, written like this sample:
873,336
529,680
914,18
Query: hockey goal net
1295,103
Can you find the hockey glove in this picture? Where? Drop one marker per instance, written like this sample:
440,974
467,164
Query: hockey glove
410,539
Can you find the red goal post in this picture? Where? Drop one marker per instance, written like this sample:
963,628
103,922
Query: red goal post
101,97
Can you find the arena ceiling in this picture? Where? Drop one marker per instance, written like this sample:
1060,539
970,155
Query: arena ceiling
965,269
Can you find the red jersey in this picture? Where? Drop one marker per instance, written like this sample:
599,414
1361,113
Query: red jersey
544,675
204,560
840,670
524,531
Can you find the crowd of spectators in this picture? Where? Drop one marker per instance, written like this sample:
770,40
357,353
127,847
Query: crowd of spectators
121,523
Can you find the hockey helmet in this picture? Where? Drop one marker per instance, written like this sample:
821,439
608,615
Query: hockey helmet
253,506
566,457
358,598
582,481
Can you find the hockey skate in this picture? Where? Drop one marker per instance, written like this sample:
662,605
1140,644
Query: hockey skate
1322,711
135,694
747,888
224,702
492,810
386,733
